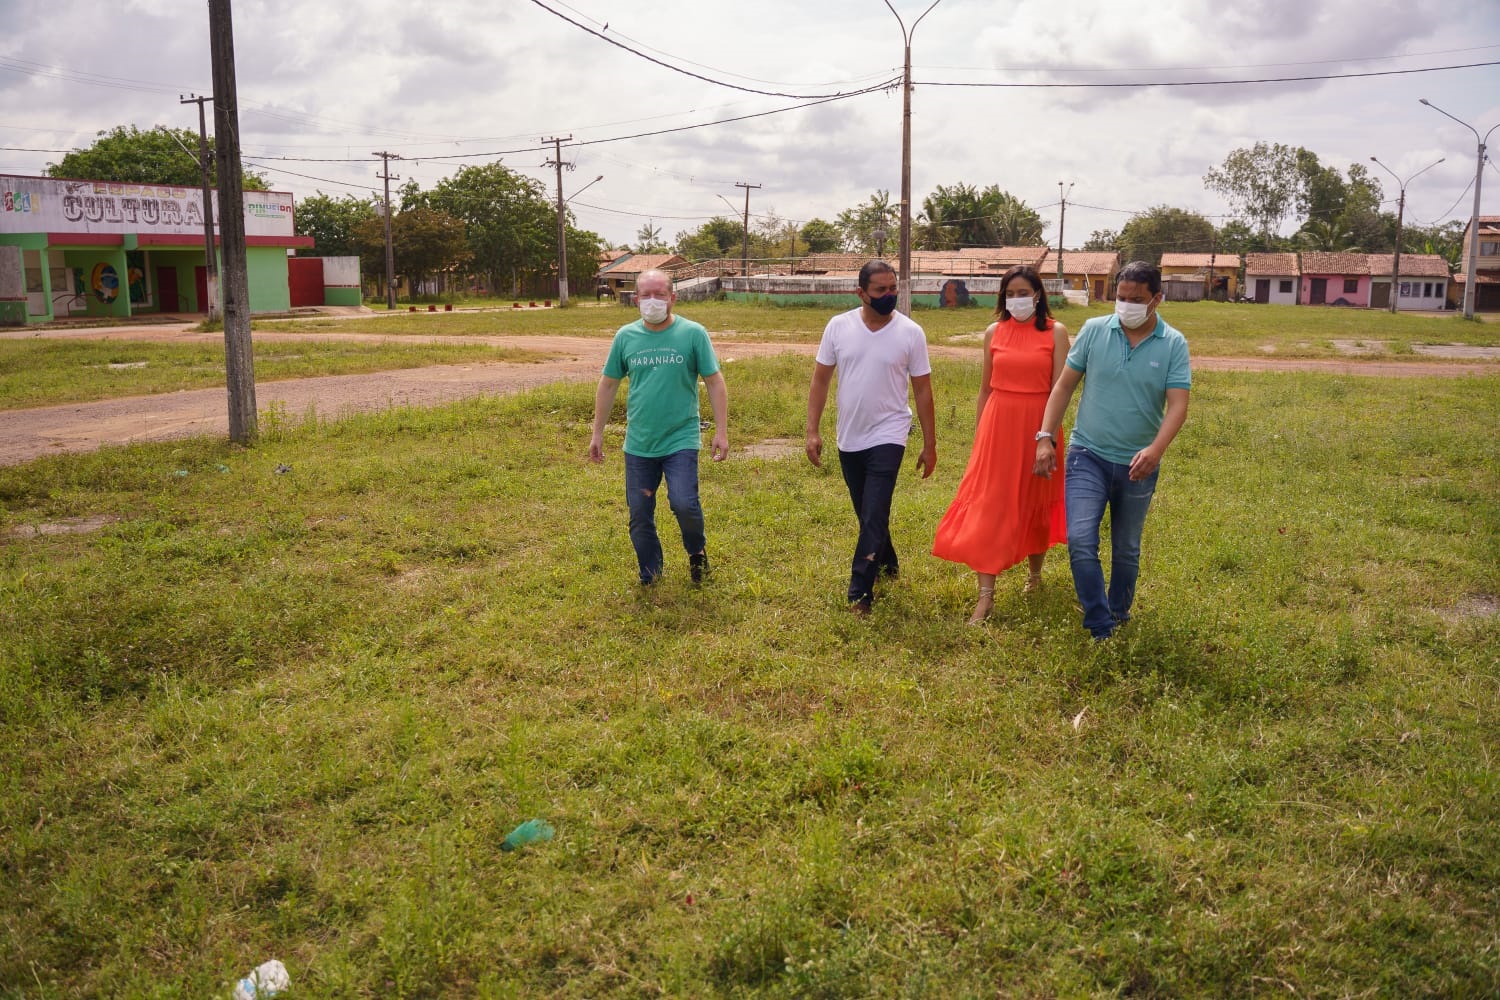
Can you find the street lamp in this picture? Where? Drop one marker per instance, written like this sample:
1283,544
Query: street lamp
1400,213
580,191
1470,291
903,278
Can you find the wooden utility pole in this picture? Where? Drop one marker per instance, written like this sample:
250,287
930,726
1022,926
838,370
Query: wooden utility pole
239,361
1062,216
210,252
390,252
562,218
745,248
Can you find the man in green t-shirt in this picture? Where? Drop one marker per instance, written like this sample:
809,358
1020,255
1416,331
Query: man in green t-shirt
663,355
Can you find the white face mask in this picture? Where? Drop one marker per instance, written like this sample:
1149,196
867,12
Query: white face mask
1021,309
1132,314
654,311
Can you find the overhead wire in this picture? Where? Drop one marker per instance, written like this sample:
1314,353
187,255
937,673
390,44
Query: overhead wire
708,79
1131,84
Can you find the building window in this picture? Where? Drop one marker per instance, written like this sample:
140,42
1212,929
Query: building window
1351,285
1426,289
1406,289
1488,249
1285,288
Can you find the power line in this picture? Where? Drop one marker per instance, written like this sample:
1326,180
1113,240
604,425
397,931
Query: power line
1130,84
708,79
1187,69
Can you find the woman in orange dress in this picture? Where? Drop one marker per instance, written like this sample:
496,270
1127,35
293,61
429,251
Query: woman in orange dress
1006,510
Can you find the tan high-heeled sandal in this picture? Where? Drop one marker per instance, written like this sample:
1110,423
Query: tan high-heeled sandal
986,602
1033,583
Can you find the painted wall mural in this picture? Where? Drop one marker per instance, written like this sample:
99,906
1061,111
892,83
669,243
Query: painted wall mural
104,280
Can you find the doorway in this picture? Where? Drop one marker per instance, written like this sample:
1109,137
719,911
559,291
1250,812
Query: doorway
1319,294
166,289
1262,290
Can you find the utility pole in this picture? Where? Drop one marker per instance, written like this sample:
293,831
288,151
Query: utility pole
390,250
903,276
1471,292
239,361
1062,217
562,219
210,253
745,249
1400,215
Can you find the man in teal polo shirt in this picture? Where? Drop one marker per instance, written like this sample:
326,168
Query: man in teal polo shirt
1136,378
663,355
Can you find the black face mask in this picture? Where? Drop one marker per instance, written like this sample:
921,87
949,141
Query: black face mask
884,304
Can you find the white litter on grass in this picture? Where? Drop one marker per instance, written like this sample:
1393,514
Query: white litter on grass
1078,719
266,980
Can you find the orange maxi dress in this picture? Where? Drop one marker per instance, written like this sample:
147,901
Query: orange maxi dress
1003,511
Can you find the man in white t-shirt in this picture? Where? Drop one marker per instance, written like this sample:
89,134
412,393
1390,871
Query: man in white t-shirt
876,352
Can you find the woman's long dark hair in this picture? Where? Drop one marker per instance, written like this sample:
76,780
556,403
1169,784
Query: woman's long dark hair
1043,314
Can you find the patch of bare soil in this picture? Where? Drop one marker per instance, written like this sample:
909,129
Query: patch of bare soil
1478,606
775,448
67,526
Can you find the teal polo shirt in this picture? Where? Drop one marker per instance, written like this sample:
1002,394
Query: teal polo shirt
1125,388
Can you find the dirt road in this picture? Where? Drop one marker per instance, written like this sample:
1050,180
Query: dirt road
76,427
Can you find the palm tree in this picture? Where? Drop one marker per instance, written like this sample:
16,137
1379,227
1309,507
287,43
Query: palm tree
1326,237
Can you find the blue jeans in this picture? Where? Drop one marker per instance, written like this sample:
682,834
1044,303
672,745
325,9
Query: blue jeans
1092,484
871,478
642,478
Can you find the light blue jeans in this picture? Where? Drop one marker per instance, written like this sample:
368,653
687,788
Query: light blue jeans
643,478
1092,484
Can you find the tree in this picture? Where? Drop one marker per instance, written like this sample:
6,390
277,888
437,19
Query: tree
584,250
1444,239
1102,239
510,224
424,242
961,215
1326,237
648,239
160,155
331,222
860,224
1163,229
1236,237
1262,183
718,237
821,236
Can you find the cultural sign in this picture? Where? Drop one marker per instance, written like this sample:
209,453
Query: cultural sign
45,205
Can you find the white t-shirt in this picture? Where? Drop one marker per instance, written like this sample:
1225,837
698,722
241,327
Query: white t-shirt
874,369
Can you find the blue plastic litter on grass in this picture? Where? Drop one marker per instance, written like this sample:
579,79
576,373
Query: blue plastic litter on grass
529,832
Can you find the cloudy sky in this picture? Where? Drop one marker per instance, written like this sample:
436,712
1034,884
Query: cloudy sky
454,82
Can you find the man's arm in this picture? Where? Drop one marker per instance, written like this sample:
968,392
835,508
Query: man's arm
817,399
604,401
718,400
1148,458
1057,404
921,387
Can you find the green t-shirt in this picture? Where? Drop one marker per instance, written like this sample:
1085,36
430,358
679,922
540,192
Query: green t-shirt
661,411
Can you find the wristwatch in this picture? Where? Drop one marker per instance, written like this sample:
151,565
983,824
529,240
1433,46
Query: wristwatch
1048,436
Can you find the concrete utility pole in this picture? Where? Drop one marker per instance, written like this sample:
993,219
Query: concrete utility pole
390,249
210,252
562,219
1470,291
1400,215
1062,217
903,276
239,361
745,249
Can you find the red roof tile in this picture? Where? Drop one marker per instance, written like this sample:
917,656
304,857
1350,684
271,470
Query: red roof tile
1276,264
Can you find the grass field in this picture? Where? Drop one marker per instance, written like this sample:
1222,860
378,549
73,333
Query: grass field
42,372
293,714
1213,328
